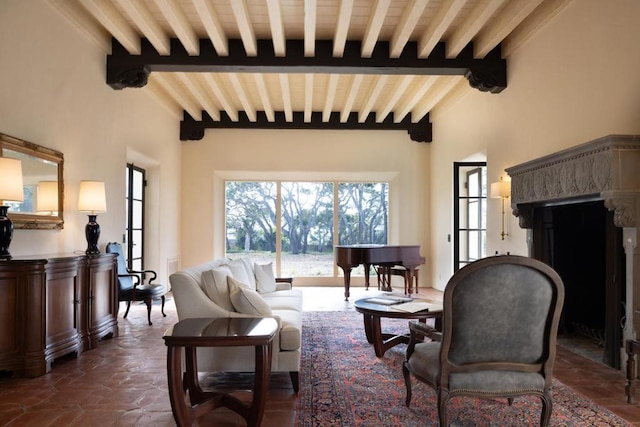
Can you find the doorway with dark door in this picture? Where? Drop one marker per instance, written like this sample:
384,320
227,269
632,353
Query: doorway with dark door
469,213
134,237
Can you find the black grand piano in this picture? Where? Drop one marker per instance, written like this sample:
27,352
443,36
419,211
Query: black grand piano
349,256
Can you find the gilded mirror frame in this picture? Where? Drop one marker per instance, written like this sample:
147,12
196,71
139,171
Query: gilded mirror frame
46,156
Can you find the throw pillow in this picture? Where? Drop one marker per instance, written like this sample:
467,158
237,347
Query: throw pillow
248,265
265,279
246,300
215,286
239,271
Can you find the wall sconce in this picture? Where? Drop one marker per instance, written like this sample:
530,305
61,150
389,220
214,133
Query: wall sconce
47,197
501,190
11,189
92,198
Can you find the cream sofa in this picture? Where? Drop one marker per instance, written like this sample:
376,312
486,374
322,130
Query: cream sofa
240,288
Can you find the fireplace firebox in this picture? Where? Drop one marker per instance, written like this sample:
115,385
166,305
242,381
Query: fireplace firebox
581,242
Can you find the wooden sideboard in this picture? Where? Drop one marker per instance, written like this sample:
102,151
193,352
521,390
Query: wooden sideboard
51,306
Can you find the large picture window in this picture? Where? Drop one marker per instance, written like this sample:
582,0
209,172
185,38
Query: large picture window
294,224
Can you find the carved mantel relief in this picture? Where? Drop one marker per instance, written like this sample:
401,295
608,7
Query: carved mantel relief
606,168
624,208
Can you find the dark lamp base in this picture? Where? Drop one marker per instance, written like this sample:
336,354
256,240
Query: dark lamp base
92,233
6,233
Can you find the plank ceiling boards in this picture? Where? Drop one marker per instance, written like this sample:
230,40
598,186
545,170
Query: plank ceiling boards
308,64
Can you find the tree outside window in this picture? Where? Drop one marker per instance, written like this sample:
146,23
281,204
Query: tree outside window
301,233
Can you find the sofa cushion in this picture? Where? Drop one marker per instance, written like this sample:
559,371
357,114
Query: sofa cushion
284,300
215,286
265,279
239,271
248,265
246,300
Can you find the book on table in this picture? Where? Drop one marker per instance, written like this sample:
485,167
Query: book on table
389,299
416,306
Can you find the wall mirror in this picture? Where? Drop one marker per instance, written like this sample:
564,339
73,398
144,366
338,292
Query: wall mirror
43,184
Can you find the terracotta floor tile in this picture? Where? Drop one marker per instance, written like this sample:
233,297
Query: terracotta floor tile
123,381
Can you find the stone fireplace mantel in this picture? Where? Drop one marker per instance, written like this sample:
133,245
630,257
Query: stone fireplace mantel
606,169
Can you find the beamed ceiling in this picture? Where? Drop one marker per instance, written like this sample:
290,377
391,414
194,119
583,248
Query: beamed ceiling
308,64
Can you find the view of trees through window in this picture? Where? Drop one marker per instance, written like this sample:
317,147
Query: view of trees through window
298,221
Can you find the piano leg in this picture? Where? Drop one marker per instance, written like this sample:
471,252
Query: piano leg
411,271
347,281
366,276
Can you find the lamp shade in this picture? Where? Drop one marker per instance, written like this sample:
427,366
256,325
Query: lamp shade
11,187
501,189
92,197
47,196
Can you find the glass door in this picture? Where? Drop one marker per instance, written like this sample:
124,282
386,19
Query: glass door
134,240
470,212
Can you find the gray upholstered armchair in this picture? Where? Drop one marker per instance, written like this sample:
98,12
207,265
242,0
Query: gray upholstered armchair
498,338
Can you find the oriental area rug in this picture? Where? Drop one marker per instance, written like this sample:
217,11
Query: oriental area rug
343,383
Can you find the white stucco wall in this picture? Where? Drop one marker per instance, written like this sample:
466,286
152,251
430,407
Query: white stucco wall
54,94
574,81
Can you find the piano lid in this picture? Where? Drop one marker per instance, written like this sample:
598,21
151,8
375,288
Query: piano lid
351,255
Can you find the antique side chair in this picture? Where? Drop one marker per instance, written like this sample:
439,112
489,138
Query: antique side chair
498,338
132,285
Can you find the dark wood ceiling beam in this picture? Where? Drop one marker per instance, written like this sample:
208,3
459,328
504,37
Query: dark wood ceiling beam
127,70
191,129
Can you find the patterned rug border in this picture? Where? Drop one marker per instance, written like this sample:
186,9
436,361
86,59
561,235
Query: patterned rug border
344,384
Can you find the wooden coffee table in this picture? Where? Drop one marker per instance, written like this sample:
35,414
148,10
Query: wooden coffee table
192,333
373,312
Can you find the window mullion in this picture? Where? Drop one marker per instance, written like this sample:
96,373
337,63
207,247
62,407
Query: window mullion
336,223
278,228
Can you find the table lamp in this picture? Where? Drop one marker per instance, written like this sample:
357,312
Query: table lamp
92,198
11,189
47,197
